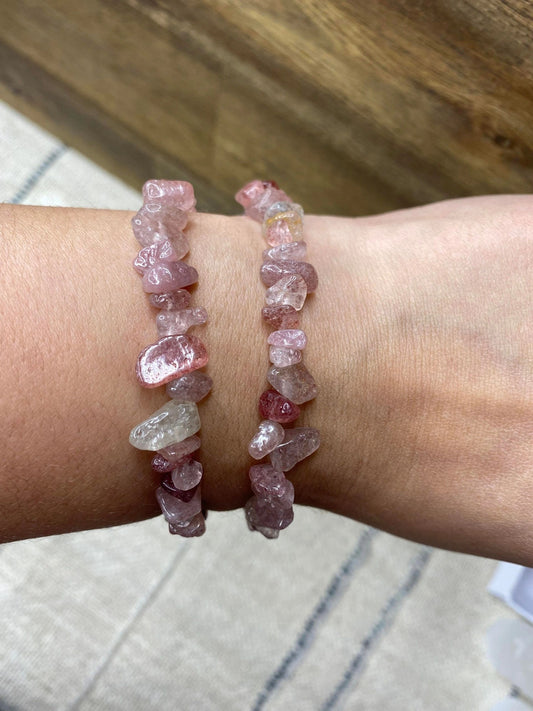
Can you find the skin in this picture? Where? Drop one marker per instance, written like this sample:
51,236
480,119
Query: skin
420,337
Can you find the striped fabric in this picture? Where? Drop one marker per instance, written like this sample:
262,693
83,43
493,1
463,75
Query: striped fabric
132,618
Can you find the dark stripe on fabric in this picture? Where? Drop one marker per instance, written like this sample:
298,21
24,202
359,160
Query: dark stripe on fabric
385,618
37,174
326,603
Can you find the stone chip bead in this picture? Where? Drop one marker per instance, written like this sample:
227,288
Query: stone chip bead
283,223
271,272
174,509
158,222
290,290
274,406
272,485
287,250
171,300
265,514
155,253
168,276
268,436
298,443
187,474
295,382
282,357
172,423
257,196
280,317
191,387
179,192
193,528
288,338
170,358
177,450
171,323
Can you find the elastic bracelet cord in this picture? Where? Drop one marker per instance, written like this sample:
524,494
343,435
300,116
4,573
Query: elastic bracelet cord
289,280
176,358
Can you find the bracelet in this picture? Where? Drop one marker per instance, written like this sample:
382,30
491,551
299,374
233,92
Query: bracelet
289,279
175,359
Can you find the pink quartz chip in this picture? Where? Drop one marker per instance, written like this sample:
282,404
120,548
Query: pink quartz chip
288,250
288,338
298,444
169,358
174,452
261,513
187,474
168,276
269,434
282,357
152,255
257,196
169,323
282,316
171,300
162,465
193,528
191,387
158,222
271,272
290,290
274,406
180,192
174,509
295,382
272,485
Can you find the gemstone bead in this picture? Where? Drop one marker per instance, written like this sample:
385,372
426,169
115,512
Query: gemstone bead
272,485
279,317
174,509
158,222
171,300
282,357
195,527
288,338
170,323
295,382
257,196
180,192
273,406
267,438
262,513
169,276
187,474
169,358
162,465
155,253
191,387
170,424
289,290
283,223
168,485
287,250
177,450
271,272
298,444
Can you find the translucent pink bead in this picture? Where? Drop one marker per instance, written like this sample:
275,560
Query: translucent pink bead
271,272
191,387
180,192
267,483
298,444
257,196
282,357
283,223
288,250
269,434
171,300
174,452
168,485
195,527
174,509
295,382
279,317
158,222
273,406
187,474
170,323
168,276
170,358
155,253
289,290
288,338
262,513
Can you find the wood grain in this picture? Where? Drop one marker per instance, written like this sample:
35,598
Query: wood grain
355,107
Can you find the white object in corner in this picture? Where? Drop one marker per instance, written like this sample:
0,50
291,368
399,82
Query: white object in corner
514,585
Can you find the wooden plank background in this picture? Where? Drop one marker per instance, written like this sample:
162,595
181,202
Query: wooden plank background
353,106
